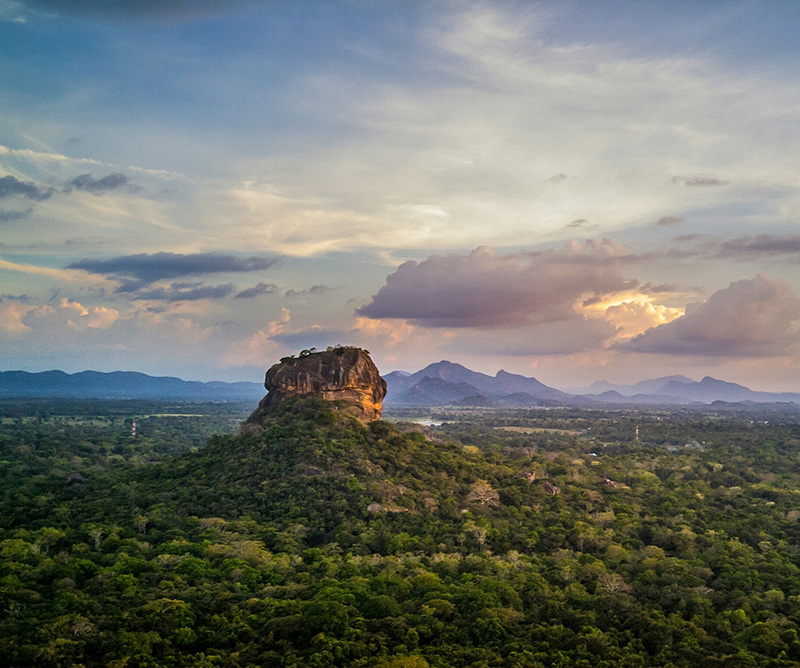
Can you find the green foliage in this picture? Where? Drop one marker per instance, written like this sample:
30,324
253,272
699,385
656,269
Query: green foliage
316,541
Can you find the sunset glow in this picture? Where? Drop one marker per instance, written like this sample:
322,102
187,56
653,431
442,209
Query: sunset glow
579,191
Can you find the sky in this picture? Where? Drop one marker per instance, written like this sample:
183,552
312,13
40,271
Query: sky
569,190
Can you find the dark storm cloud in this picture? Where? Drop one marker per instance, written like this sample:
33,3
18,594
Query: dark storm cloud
670,220
97,186
484,289
14,215
179,292
138,271
700,181
11,186
256,290
750,318
313,290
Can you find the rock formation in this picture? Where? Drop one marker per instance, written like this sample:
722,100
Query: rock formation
341,373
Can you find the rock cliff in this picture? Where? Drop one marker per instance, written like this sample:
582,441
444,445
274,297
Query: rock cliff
341,373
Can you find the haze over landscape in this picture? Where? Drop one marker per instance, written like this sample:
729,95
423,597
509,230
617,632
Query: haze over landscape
568,191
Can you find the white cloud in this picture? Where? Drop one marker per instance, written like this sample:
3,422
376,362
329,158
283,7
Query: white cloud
70,315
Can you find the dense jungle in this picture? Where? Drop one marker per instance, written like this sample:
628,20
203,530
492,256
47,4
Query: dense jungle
513,538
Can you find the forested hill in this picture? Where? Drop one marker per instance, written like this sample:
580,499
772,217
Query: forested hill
317,541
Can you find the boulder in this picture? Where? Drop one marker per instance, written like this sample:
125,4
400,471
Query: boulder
344,373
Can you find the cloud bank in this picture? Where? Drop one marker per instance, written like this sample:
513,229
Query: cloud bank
485,289
759,317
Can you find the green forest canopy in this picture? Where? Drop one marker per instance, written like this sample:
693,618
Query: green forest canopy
519,539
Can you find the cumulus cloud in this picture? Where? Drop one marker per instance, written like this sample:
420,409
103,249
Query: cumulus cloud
257,290
12,311
6,216
11,186
635,317
97,186
138,271
750,318
485,289
70,315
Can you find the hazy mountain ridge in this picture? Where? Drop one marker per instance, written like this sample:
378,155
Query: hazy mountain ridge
438,384
121,385
447,382
650,386
456,384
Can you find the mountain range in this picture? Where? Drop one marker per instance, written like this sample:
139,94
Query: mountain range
439,384
447,383
121,385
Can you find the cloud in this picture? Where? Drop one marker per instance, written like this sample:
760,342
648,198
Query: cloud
670,220
741,249
258,348
581,222
750,318
12,312
655,288
748,248
137,271
11,186
97,186
6,216
313,290
558,178
70,315
699,181
256,290
179,292
485,289
634,317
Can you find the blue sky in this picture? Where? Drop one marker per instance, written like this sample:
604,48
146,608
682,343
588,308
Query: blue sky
569,190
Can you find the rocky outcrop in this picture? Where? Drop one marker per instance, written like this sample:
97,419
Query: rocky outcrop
339,374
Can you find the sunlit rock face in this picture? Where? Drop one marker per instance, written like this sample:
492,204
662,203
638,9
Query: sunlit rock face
342,373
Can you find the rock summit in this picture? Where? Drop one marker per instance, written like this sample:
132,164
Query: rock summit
343,373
